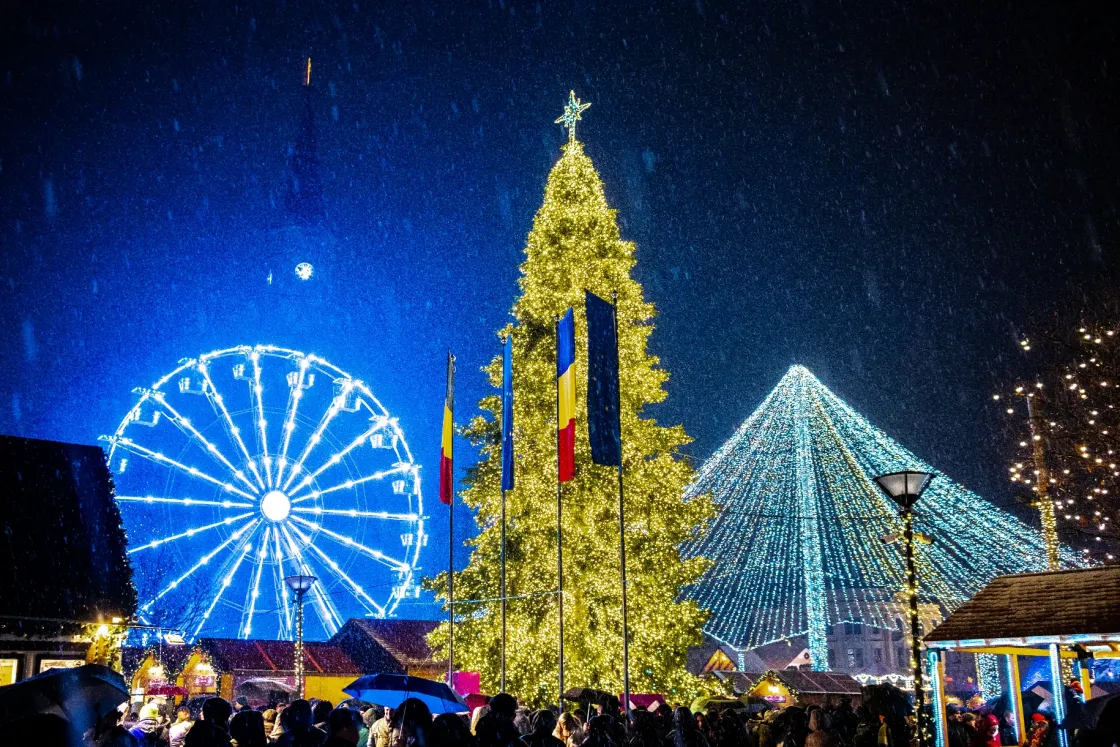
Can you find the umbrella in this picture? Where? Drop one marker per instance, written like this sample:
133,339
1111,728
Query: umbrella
587,695
390,690
81,695
706,702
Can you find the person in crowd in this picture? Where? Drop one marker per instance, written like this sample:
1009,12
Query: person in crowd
523,720
451,730
240,704
149,728
342,728
246,729
543,724
320,712
642,731
987,732
299,730
1041,732
884,738
381,732
820,731
367,716
118,736
476,716
968,720
269,717
496,728
412,723
1007,729
764,732
212,730
955,731
685,732
569,730
182,724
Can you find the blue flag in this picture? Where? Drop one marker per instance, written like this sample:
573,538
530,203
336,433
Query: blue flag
603,427
507,415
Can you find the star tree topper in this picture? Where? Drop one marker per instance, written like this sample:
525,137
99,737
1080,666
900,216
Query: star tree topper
572,111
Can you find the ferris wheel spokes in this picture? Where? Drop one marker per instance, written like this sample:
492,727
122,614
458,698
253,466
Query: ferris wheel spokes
189,533
355,589
182,501
250,527
219,406
159,458
399,469
294,396
342,539
317,435
328,616
227,580
253,590
337,457
185,425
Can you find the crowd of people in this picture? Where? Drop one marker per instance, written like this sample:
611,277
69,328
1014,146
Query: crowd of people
879,722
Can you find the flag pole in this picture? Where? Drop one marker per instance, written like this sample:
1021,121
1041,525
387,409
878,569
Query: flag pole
503,582
451,557
559,536
621,524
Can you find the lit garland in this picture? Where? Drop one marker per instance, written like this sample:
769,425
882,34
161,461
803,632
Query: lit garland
1067,429
575,245
798,545
987,676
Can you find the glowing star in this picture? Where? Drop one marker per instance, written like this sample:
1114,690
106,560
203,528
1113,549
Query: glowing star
226,471
573,112
304,270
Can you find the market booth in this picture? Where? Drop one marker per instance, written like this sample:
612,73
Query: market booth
1070,616
800,687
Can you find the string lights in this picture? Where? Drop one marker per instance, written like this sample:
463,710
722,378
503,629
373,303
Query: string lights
1066,424
799,546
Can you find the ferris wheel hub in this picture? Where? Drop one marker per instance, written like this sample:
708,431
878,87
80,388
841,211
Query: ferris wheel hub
276,506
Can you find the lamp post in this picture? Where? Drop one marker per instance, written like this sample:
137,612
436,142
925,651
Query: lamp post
300,585
905,488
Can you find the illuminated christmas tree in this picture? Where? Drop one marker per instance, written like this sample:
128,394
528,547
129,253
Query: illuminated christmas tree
802,539
575,245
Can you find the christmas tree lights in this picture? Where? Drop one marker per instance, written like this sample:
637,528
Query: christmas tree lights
799,545
575,245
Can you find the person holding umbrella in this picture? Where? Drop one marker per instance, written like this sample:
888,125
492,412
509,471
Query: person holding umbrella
496,728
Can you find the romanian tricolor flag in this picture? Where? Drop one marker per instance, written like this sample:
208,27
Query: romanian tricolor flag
566,396
446,481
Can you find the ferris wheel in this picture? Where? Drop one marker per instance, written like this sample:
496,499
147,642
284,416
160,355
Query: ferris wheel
247,465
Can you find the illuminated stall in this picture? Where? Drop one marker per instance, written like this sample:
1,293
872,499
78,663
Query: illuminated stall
1068,617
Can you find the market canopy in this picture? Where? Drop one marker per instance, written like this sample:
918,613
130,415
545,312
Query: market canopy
1080,605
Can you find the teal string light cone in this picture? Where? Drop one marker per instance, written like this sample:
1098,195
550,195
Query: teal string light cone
798,545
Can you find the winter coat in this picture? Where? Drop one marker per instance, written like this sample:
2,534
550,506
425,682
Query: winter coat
309,737
206,734
178,732
149,732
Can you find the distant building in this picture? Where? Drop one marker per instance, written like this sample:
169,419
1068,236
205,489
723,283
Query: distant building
67,583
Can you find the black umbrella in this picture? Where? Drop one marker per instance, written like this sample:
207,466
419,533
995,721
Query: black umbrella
81,695
587,695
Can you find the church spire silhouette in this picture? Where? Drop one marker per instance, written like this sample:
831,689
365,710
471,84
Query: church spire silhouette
304,196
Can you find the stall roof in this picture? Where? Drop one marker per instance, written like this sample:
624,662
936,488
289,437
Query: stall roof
1080,602
800,681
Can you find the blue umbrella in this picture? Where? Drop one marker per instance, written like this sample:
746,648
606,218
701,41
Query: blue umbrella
390,690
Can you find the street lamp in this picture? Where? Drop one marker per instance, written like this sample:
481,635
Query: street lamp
300,585
905,488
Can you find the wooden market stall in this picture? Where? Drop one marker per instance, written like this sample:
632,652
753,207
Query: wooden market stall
800,687
1060,615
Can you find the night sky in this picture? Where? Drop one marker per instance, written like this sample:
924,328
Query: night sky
887,193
